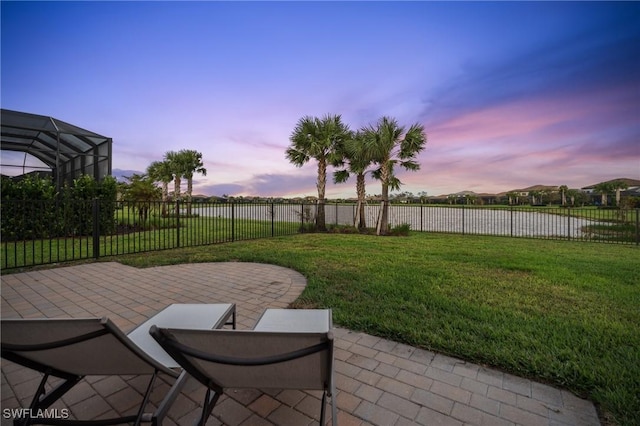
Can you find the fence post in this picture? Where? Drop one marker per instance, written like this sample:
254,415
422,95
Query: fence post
95,210
233,222
637,226
568,222
273,219
463,219
511,218
177,223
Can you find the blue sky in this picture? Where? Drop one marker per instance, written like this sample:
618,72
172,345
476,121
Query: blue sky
511,94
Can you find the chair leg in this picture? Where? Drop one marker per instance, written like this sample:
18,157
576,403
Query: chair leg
322,408
334,410
207,406
169,399
145,399
42,400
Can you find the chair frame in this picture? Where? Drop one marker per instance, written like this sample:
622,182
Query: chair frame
43,400
178,350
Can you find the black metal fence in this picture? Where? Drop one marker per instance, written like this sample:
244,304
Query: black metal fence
33,235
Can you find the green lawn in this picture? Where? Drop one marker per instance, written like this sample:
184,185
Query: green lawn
566,313
158,234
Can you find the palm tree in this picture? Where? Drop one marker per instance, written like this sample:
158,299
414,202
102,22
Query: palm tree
317,138
572,194
534,197
563,192
603,188
618,185
191,162
160,171
177,170
142,192
351,152
387,144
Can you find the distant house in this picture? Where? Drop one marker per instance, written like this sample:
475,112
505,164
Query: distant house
525,192
633,185
632,190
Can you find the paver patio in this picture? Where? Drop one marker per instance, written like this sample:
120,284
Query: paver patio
379,382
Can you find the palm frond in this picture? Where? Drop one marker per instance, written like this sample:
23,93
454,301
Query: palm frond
394,183
410,165
341,176
297,157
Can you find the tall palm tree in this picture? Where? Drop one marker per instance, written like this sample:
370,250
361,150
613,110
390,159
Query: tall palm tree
563,191
573,194
618,185
353,161
534,197
177,170
160,171
603,188
317,138
191,162
387,144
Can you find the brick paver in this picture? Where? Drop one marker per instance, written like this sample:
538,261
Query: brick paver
379,382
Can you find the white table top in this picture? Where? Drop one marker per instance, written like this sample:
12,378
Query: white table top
295,320
191,316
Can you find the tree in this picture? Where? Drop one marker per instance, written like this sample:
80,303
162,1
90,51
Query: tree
141,190
603,188
388,145
161,171
618,185
177,170
534,197
351,157
563,192
190,163
577,197
317,138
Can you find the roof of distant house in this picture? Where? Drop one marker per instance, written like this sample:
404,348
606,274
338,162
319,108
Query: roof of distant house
629,182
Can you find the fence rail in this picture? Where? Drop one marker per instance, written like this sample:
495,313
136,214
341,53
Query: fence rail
35,233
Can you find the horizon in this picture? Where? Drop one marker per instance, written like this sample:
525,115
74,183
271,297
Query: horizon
124,173
510,94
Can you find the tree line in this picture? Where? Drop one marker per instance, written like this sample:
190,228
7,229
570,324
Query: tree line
175,166
379,149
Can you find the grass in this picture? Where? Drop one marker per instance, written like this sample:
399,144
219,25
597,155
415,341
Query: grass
564,313
156,234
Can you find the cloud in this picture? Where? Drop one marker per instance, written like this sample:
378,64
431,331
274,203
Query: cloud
121,174
221,189
582,62
283,184
558,113
301,183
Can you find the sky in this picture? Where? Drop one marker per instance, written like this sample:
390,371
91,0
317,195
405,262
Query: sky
511,94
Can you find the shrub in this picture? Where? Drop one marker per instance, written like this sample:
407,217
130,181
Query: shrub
343,229
32,208
400,230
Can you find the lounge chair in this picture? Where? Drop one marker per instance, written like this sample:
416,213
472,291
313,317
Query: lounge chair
74,348
288,349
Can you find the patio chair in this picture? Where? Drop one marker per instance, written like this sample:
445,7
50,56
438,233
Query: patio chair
71,349
257,359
